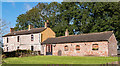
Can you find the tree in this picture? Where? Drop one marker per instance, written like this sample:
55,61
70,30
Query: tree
3,27
38,15
77,17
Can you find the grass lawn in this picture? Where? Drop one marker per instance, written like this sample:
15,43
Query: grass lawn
59,60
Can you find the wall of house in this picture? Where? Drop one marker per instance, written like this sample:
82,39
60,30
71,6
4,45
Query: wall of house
48,33
85,49
112,46
24,42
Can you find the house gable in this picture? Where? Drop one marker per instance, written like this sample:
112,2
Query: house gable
48,33
112,45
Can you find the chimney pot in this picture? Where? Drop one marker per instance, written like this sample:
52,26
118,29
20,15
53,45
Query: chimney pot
66,32
30,27
11,29
47,24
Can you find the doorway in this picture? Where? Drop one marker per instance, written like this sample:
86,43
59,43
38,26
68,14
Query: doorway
59,53
48,49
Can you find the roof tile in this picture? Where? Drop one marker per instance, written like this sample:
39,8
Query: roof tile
100,36
23,32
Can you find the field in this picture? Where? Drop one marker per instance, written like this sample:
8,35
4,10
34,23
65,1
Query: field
59,60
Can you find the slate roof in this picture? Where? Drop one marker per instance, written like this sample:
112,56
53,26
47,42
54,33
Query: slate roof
24,32
90,37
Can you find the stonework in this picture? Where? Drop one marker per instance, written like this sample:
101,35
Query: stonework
25,42
112,46
85,49
105,48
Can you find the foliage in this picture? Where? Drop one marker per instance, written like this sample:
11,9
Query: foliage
17,53
77,17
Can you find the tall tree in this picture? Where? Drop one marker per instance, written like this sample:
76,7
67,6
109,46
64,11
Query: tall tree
77,17
38,15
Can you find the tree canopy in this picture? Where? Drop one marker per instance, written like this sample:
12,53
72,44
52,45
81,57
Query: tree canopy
77,17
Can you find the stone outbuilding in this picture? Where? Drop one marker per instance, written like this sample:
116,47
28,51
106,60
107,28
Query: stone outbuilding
90,44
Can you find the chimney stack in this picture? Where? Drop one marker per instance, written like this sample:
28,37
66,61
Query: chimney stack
30,27
47,24
11,29
66,32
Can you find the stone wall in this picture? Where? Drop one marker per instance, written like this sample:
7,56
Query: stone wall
112,46
24,42
85,49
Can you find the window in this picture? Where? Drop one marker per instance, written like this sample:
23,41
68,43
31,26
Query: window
32,48
18,48
7,49
18,38
7,39
77,47
32,37
66,48
95,47
49,48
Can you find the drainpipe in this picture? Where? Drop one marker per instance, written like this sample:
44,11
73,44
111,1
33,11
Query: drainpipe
40,41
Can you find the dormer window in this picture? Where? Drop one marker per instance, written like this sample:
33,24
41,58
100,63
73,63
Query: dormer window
32,37
7,39
18,38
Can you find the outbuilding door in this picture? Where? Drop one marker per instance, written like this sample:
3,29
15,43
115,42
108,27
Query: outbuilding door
59,53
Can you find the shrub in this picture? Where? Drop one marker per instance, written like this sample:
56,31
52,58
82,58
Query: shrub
19,53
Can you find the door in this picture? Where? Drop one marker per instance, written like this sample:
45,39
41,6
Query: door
59,53
49,49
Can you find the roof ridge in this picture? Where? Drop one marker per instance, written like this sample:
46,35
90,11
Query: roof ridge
87,37
85,34
96,32
22,32
26,29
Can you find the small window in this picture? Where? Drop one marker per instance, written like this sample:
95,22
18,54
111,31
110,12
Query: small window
7,49
77,47
32,37
18,38
32,48
18,48
95,47
66,48
7,39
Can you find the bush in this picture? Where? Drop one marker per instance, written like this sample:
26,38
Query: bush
20,53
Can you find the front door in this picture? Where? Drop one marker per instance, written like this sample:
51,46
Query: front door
49,49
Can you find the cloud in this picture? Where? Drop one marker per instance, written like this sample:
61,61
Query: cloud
27,6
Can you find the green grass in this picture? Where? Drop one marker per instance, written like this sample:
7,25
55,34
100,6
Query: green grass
59,60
